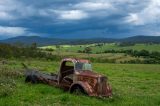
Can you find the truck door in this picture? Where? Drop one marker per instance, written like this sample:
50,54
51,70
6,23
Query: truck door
66,73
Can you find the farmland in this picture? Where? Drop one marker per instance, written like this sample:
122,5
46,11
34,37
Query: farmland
132,84
109,52
107,46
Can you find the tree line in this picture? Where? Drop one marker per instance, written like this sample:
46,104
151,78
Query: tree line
11,51
150,57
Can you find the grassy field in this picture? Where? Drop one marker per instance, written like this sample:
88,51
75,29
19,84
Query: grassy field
109,46
133,85
98,52
118,57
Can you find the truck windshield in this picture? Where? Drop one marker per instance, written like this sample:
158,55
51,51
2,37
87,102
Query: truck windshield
83,66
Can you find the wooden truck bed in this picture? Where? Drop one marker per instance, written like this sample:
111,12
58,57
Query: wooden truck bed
39,76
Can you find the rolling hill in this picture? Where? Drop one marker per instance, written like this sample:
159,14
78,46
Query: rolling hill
27,40
43,41
142,39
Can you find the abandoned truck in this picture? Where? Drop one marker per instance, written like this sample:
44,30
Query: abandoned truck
76,76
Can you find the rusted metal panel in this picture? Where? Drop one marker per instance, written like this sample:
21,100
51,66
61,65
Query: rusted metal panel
89,73
98,84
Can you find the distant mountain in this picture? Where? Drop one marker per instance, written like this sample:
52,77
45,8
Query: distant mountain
142,39
27,40
42,41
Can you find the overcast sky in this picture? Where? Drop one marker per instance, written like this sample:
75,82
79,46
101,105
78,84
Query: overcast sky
79,18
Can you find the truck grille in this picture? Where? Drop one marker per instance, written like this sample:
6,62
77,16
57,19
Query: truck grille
102,86
91,81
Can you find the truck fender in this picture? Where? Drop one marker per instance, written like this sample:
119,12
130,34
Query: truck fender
86,87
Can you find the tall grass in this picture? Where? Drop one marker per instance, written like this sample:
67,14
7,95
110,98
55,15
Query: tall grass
132,84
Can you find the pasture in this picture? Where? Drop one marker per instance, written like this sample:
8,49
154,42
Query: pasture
107,46
132,84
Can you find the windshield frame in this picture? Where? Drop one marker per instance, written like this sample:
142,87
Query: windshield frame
76,69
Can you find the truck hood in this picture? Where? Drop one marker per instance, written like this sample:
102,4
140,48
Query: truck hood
89,73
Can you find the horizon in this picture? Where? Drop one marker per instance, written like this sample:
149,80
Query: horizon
74,19
78,38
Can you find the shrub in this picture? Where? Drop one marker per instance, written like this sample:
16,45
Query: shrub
7,86
10,73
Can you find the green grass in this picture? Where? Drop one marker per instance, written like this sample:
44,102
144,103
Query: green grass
118,57
154,47
71,51
109,46
48,47
133,85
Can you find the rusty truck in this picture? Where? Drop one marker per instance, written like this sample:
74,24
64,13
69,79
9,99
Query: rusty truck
75,76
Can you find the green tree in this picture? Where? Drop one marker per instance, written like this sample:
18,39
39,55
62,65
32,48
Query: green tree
88,50
58,47
34,45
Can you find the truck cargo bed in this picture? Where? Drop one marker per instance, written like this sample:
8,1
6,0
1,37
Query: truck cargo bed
38,74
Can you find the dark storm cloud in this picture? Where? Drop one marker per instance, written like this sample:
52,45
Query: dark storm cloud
79,19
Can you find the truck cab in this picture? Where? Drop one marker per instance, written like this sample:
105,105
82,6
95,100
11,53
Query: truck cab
70,68
77,74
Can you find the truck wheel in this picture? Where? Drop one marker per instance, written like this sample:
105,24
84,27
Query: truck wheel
28,79
31,79
34,79
78,90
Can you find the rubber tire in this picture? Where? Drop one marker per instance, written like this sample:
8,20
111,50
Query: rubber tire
78,90
28,79
32,79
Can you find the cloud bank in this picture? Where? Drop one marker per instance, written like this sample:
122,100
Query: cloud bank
79,19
